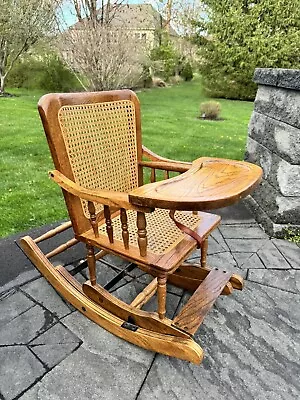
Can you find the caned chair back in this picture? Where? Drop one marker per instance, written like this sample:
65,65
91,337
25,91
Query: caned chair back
95,140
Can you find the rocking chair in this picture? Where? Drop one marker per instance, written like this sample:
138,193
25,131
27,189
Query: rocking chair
95,142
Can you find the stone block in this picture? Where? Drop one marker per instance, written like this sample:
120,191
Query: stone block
283,176
279,103
280,138
280,77
19,368
280,209
270,227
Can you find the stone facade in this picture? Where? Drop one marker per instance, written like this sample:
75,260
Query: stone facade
274,144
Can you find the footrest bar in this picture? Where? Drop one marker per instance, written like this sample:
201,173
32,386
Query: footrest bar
191,316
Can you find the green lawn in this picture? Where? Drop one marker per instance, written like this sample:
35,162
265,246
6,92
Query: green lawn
170,127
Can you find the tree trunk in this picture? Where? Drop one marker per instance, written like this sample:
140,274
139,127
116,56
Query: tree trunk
2,82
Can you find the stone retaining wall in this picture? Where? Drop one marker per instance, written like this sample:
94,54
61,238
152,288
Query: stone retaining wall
274,144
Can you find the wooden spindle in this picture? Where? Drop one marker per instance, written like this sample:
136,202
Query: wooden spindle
167,175
143,297
91,261
109,228
53,232
161,296
62,248
125,233
204,247
153,175
142,233
93,218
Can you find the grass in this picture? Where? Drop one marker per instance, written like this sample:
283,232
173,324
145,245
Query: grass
170,127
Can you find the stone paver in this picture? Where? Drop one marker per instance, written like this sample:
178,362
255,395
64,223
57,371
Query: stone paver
289,250
19,369
252,343
41,291
26,326
12,306
251,339
271,257
285,280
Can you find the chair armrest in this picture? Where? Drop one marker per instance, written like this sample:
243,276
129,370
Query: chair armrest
106,197
166,164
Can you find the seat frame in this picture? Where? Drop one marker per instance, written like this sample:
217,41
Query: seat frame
150,330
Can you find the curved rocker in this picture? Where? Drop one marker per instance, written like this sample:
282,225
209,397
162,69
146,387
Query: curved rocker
95,142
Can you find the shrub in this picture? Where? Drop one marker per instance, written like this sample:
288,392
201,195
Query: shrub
158,82
187,72
210,110
175,80
166,58
47,73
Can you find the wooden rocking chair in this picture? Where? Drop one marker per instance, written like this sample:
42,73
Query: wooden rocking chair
95,142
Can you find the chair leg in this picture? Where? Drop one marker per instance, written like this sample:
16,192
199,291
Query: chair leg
204,247
91,261
161,296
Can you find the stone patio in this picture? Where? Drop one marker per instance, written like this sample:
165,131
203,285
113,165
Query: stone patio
251,339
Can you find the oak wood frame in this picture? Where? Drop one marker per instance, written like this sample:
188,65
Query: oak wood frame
153,330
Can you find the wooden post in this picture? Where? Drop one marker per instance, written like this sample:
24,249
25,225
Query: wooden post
109,228
142,233
91,260
204,247
125,233
153,175
161,296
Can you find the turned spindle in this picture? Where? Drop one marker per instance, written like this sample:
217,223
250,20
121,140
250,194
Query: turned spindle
109,228
125,233
91,261
142,233
93,218
161,296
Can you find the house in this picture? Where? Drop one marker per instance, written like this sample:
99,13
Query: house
145,23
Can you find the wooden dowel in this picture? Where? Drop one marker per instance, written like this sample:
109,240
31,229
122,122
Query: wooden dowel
109,228
125,233
142,233
161,296
166,174
153,175
100,254
53,232
93,219
143,297
62,248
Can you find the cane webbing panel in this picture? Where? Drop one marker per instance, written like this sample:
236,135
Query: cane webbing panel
100,139
162,233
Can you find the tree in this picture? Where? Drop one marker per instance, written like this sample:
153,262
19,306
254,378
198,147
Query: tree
22,24
237,36
106,54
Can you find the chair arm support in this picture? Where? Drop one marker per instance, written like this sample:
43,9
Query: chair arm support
166,164
106,197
